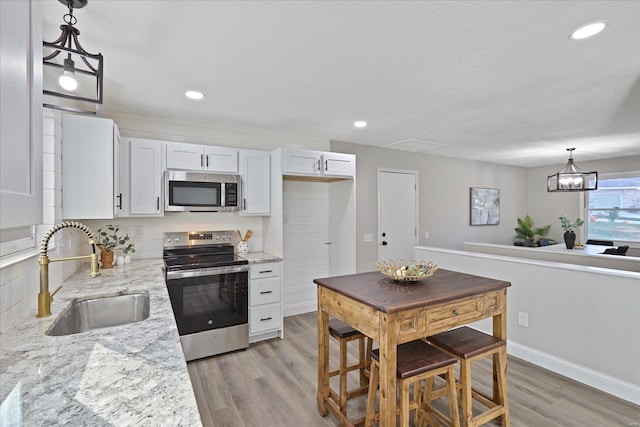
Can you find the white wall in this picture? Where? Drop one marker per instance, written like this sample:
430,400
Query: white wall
444,197
545,208
583,321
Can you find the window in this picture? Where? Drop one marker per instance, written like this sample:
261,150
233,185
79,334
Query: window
613,210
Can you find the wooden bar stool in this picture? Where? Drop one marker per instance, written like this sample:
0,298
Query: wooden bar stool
345,334
417,361
467,345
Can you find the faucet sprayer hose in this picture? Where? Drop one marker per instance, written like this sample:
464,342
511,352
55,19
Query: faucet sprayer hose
67,224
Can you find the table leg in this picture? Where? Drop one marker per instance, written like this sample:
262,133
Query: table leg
388,368
323,358
500,331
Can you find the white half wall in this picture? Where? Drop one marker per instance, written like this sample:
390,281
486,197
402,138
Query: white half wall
583,322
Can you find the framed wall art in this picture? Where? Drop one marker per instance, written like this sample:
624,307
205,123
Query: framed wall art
485,206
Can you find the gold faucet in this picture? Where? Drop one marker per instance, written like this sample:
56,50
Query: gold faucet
44,297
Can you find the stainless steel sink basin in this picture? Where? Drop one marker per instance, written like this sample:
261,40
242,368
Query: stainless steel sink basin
101,312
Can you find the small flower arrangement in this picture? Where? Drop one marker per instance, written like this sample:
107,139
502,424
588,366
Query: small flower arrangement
109,240
568,225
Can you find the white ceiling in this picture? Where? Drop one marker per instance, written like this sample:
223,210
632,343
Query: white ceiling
496,81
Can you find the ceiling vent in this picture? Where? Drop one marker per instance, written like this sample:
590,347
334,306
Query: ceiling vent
414,145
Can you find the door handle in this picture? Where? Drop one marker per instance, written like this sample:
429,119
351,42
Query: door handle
201,160
207,157
384,243
119,197
157,203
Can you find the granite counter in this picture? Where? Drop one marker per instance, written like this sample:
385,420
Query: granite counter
129,375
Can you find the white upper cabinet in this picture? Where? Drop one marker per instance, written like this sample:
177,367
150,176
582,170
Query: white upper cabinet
20,113
255,171
145,177
201,157
338,164
89,167
318,163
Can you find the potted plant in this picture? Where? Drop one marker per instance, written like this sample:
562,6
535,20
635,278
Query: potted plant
529,235
109,240
569,230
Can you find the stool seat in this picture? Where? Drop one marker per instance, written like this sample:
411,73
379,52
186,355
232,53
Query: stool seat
465,342
416,362
340,330
416,357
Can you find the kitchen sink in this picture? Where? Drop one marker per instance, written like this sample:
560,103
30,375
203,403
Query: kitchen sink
101,312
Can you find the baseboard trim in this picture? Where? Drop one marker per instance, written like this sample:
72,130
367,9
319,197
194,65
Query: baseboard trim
306,307
611,385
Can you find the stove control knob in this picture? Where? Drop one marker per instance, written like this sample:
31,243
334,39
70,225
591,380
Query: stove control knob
177,239
210,322
168,239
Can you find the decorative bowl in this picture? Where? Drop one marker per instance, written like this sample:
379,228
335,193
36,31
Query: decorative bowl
406,272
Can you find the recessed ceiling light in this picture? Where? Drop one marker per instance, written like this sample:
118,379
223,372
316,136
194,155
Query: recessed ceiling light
588,30
360,124
194,94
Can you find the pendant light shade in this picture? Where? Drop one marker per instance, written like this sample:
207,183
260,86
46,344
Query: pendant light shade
72,77
571,178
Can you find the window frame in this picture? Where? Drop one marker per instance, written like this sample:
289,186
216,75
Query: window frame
584,208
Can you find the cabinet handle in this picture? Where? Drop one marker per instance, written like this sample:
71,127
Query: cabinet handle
266,271
456,312
119,197
157,203
201,160
244,204
319,164
266,292
207,157
266,318
326,165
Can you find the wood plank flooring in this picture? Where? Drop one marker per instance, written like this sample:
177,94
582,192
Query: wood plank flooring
273,383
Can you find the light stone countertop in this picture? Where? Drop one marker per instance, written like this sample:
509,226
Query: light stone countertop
260,257
129,375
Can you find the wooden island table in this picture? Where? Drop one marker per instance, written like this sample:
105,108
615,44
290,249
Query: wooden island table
394,312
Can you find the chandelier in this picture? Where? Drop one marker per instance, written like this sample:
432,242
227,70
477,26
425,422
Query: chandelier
571,178
69,71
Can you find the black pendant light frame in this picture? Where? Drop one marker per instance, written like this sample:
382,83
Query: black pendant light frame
65,43
572,179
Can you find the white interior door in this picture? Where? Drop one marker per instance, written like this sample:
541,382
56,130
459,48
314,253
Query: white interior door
397,214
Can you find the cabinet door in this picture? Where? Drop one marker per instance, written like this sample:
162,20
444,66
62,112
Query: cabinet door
219,159
87,168
338,164
301,162
20,113
146,177
185,156
255,171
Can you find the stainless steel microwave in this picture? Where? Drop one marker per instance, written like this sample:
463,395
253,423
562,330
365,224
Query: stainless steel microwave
192,191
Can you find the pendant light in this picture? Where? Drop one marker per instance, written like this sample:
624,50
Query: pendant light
70,72
571,178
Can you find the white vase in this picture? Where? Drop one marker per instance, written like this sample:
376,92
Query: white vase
127,259
119,260
243,247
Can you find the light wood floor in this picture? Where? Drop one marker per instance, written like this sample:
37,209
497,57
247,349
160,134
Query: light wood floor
273,383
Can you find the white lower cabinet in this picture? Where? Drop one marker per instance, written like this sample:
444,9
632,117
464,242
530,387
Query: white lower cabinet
265,301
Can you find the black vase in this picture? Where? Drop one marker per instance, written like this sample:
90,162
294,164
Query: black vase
569,239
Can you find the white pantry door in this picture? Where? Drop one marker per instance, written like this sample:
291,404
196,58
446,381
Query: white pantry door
397,214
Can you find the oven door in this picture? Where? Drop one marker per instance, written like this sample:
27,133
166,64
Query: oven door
211,298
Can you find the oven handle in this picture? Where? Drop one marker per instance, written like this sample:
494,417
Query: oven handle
213,271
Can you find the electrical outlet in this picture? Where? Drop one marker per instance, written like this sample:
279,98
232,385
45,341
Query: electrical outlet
523,319
138,233
367,237
426,234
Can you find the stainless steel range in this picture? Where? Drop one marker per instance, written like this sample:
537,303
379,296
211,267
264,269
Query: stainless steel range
208,286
